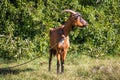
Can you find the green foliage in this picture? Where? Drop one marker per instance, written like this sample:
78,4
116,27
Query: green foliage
102,35
25,24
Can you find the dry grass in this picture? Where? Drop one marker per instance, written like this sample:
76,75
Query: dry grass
76,68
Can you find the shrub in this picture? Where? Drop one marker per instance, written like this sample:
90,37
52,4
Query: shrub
25,24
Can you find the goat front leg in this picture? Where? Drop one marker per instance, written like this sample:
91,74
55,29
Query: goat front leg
62,66
58,62
62,60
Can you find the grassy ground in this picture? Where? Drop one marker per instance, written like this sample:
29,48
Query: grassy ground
76,68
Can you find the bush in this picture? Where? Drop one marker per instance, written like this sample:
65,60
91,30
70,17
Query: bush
24,23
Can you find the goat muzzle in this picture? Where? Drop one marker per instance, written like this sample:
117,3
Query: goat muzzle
84,22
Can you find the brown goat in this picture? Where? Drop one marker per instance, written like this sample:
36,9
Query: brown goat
59,38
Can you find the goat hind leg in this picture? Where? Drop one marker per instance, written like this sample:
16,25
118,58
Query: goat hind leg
62,60
50,59
58,62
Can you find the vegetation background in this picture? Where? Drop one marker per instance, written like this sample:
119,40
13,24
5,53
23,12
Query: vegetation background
94,53
25,24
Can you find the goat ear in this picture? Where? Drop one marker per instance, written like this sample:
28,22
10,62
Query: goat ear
74,23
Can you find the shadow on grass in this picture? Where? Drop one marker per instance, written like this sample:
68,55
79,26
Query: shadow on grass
5,71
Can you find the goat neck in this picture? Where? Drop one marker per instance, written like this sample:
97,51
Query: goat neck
67,27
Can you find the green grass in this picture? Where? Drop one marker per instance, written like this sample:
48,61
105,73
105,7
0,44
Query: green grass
76,68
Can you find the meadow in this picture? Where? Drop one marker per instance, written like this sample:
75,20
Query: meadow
80,67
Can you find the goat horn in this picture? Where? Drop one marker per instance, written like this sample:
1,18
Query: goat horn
71,11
